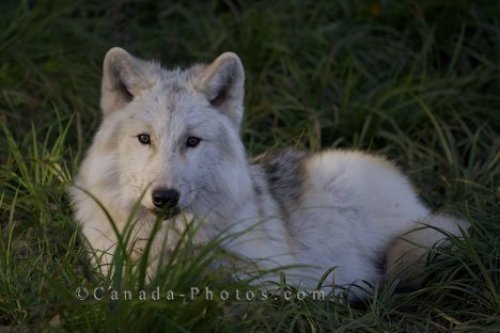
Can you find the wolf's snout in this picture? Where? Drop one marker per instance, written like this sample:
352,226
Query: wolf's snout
163,198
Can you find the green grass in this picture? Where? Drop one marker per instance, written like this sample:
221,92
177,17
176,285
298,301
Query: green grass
417,81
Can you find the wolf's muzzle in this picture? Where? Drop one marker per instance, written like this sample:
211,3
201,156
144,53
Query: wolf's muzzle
163,198
165,201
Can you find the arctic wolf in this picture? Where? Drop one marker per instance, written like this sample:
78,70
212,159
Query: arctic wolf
170,141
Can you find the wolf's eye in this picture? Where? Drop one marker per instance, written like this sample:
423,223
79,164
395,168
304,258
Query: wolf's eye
144,138
192,141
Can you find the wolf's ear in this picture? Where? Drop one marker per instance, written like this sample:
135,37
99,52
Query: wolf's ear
123,77
223,83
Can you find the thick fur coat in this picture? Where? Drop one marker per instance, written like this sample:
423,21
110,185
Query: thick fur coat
169,140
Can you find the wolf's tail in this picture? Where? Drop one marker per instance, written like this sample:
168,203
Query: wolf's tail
406,256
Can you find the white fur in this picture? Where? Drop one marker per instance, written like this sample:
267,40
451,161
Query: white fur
352,205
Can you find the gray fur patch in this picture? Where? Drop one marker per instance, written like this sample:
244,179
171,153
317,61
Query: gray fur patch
173,88
284,173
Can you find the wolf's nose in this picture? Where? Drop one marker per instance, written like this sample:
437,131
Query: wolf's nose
165,198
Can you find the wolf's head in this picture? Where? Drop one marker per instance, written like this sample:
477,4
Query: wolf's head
170,134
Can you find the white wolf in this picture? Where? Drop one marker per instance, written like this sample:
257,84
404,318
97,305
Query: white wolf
173,135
